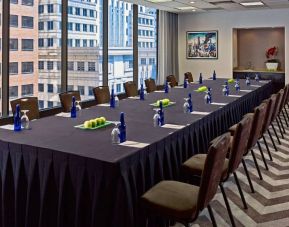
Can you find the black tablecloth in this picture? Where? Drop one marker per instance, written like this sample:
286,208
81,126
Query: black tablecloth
57,175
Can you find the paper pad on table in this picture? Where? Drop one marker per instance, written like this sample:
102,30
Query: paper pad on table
219,103
134,97
237,96
200,113
256,85
178,87
63,114
8,127
246,90
159,91
104,104
134,144
172,126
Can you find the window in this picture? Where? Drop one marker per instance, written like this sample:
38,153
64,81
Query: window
27,44
91,66
91,28
13,21
117,39
49,104
13,44
40,25
13,68
50,42
14,1
41,104
50,65
91,43
27,67
90,91
77,43
70,65
80,66
70,10
49,25
50,8
50,88
80,89
118,88
41,9
70,88
41,65
58,65
77,11
77,27
84,43
27,89
84,27
27,22
41,87
27,2
91,13
13,92
69,26
84,12
40,42
147,57
69,42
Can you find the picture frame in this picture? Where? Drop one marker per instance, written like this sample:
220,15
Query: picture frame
202,44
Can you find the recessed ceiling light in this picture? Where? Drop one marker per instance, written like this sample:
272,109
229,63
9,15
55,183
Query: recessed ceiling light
194,10
186,8
192,2
159,1
252,3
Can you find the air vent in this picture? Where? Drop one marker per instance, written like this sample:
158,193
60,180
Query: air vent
222,2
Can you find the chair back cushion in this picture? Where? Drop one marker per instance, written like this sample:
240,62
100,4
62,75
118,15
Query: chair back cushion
66,99
257,125
284,97
270,111
130,89
277,104
189,77
239,142
171,79
101,94
213,169
150,85
27,103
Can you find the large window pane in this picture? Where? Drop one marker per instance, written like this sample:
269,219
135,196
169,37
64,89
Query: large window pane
147,43
35,39
120,43
84,46
1,14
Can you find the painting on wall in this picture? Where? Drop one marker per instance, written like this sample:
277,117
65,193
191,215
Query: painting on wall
202,45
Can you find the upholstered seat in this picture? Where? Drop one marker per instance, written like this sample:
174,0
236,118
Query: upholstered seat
182,202
130,89
171,79
101,94
150,85
66,99
27,103
189,77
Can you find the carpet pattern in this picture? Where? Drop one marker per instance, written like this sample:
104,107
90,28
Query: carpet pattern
269,205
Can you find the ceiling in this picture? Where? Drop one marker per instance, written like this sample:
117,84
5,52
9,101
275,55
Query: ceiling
211,5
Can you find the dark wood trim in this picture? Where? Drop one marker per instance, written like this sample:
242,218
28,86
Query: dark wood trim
105,43
135,44
64,49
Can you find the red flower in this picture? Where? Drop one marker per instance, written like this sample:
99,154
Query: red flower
271,52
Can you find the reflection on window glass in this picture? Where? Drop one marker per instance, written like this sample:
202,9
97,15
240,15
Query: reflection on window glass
147,43
120,43
84,46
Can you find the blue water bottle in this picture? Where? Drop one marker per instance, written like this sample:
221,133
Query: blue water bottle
161,113
141,95
73,108
17,119
237,85
112,98
185,83
166,87
209,95
214,75
190,103
122,128
200,79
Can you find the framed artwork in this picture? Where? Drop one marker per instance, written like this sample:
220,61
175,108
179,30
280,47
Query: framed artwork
202,45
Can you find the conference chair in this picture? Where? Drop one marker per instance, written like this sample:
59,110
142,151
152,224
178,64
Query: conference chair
66,99
101,94
130,89
27,103
150,85
171,79
189,77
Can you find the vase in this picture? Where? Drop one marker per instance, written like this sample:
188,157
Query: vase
272,66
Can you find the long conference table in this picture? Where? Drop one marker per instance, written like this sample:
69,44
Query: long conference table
58,175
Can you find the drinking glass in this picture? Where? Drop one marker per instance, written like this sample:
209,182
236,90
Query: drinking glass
156,118
116,101
25,120
78,108
115,134
186,106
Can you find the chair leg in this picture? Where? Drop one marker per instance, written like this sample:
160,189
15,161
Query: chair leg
281,123
276,133
279,126
248,176
267,147
256,165
285,109
262,155
285,118
274,145
212,215
240,191
227,205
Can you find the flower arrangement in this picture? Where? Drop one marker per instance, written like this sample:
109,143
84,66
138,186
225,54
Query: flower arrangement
271,53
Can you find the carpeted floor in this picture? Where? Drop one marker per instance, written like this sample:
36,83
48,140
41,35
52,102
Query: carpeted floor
269,205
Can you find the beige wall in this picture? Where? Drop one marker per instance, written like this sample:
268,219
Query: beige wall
252,44
224,22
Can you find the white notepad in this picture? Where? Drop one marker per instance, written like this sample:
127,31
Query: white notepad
200,113
9,127
236,96
172,126
246,90
104,104
255,85
134,144
63,114
219,103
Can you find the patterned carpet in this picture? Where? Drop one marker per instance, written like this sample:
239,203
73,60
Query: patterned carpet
269,205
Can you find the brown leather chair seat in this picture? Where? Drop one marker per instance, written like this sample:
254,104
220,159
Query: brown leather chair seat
66,99
171,79
150,85
101,94
189,77
172,198
27,103
130,89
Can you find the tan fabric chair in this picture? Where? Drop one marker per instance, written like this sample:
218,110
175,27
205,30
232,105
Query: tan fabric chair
27,103
66,99
238,147
171,79
150,85
130,89
101,94
189,77
182,202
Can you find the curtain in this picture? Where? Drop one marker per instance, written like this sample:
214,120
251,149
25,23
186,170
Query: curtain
167,46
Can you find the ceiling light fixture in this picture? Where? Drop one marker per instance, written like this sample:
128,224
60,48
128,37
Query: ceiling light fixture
186,8
252,3
192,2
159,1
